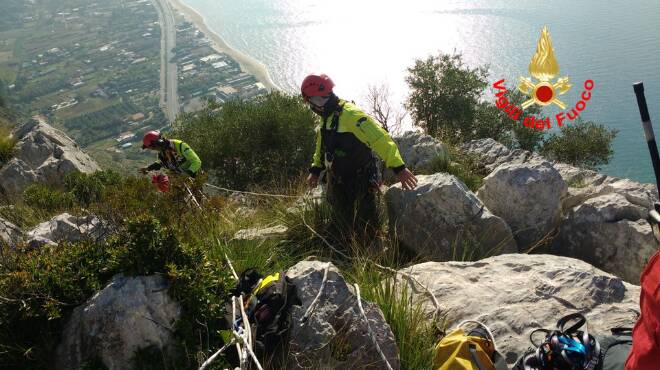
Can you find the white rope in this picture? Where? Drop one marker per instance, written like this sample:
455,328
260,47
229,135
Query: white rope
215,355
192,196
414,280
316,299
371,332
249,351
492,338
247,328
250,192
231,267
325,240
239,350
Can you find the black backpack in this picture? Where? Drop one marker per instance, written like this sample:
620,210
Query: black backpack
268,300
602,353
615,349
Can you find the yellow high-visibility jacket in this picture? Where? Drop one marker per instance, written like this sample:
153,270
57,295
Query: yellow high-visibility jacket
351,144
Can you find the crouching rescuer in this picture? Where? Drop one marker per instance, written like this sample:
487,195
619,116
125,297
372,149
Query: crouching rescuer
175,155
345,145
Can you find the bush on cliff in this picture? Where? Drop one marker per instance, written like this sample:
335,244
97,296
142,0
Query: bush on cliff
447,101
267,141
584,144
40,287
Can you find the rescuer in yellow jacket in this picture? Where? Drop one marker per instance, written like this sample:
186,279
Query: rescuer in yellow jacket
175,155
345,145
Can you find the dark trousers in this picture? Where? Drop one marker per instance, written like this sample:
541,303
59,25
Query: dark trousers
354,206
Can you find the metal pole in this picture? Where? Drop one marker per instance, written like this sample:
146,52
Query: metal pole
648,130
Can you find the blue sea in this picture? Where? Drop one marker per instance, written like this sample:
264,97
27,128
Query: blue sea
367,42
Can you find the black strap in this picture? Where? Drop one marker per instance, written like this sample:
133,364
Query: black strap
328,149
475,358
578,317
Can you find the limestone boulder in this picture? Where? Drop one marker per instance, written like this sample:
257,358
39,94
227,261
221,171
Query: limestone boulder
265,233
494,154
69,228
419,150
514,294
335,336
609,232
42,154
527,196
129,314
10,234
442,220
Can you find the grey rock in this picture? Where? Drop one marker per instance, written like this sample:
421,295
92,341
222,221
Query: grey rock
516,293
419,150
65,227
10,234
312,199
527,196
609,232
42,154
494,154
129,314
583,184
273,232
335,336
436,218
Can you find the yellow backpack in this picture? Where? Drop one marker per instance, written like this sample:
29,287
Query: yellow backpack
473,351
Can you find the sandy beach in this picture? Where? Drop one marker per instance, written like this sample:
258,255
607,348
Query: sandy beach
247,63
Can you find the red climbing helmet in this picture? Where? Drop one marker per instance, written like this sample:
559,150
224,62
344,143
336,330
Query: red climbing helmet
316,85
149,138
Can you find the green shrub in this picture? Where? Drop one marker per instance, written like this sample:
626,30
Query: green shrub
40,287
268,141
465,166
89,188
44,197
584,144
7,143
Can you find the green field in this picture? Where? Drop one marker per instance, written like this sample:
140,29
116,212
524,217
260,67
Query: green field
86,66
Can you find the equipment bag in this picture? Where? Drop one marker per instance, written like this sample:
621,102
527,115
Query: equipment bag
268,302
564,348
615,349
472,351
645,354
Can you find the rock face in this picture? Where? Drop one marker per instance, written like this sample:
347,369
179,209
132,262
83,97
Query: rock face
582,183
130,313
603,216
434,219
609,232
273,232
419,150
527,196
66,227
335,336
42,154
514,294
10,234
494,154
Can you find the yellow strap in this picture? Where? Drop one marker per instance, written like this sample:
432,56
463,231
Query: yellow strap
266,281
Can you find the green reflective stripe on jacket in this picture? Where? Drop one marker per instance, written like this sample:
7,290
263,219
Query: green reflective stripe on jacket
366,130
192,162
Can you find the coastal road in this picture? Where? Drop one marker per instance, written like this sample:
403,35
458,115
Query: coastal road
169,98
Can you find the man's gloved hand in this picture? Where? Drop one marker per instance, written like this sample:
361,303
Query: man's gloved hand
143,170
407,179
313,180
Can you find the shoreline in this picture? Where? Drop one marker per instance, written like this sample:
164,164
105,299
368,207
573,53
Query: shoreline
247,63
